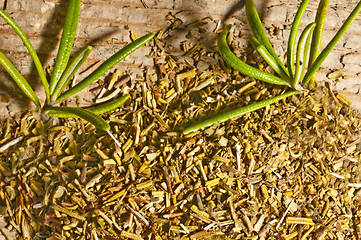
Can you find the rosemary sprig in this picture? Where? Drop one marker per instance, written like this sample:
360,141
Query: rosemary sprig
295,76
64,71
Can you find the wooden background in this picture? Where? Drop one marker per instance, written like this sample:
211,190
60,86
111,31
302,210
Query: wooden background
106,25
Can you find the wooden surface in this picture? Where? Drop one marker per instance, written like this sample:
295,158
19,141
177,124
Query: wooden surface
106,25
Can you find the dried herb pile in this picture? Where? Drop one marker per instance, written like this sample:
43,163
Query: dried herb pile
289,171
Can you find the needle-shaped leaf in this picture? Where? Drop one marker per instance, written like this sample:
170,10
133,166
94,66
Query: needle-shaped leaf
237,112
319,60
109,106
66,43
303,50
317,33
242,67
254,41
268,58
85,114
30,48
99,109
19,79
105,66
71,69
257,29
293,36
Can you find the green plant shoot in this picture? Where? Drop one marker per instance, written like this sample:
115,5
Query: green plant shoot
244,68
317,34
64,70
30,48
66,43
297,75
237,112
117,57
